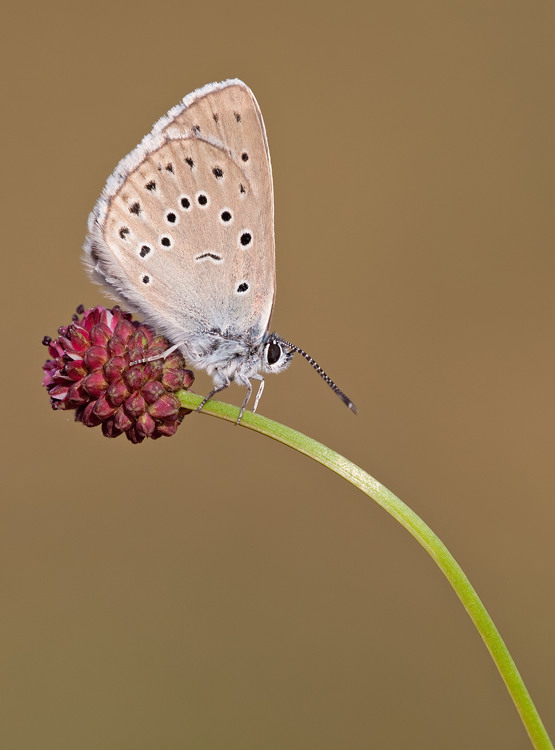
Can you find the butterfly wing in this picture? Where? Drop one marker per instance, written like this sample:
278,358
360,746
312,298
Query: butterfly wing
183,232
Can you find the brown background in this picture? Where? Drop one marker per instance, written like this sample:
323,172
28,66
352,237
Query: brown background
217,590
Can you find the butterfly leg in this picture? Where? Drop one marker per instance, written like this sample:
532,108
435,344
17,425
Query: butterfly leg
163,355
248,386
259,392
212,393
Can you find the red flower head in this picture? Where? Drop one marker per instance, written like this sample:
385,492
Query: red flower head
90,371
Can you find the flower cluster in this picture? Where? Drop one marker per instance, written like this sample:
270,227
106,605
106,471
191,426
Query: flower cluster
96,369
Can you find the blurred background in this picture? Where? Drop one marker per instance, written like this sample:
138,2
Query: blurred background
217,590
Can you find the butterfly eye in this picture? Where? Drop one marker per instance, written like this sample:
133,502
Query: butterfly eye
273,353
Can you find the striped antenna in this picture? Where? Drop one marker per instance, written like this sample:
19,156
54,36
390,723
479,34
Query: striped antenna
346,400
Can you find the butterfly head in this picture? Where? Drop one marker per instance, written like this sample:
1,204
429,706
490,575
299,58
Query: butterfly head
276,354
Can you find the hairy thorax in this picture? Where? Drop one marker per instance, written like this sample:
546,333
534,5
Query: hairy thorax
226,358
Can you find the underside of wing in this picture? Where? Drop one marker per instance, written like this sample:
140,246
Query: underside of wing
183,232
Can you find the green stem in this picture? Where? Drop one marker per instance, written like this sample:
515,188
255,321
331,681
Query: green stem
419,530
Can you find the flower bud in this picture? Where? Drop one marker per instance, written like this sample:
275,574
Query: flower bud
91,372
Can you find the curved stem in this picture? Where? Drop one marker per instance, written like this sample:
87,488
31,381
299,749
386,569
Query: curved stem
419,530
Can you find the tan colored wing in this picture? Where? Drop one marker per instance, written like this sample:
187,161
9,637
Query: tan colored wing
184,230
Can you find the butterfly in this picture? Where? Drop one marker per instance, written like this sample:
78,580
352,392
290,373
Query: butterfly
183,235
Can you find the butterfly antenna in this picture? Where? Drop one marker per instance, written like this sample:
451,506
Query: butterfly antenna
346,400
